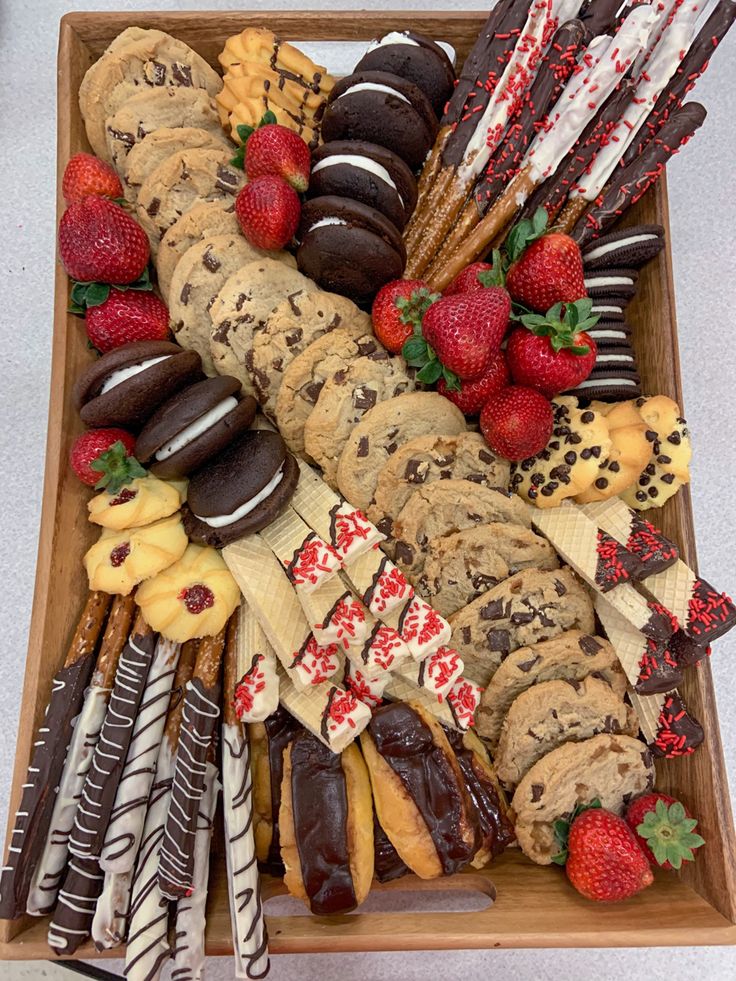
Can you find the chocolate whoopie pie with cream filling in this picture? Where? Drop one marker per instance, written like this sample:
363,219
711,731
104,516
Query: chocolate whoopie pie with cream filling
416,58
241,490
378,107
348,247
365,172
194,425
126,385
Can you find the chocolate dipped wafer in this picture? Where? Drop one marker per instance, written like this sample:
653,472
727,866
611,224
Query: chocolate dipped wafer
326,823
33,817
333,715
436,674
254,693
200,714
309,561
419,791
421,628
667,725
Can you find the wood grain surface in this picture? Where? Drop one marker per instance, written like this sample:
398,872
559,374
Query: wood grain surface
533,907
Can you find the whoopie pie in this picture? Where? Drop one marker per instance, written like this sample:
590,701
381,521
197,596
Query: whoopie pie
416,58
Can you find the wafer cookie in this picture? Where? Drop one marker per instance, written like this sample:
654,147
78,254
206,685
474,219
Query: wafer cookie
309,561
436,674
333,715
254,691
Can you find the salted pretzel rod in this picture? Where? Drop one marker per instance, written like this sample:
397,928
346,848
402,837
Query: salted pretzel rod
148,944
52,865
33,816
580,102
488,130
200,715
250,939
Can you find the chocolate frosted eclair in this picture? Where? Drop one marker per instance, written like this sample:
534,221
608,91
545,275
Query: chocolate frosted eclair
194,425
241,490
418,59
419,790
484,790
268,740
326,826
129,383
388,865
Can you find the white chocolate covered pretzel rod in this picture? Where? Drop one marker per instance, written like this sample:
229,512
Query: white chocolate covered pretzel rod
109,924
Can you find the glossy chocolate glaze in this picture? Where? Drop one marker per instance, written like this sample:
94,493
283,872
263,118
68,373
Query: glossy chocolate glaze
405,742
280,728
387,864
320,807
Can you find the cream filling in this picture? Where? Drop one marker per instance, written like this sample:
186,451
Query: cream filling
608,281
196,428
600,382
325,221
362,163
613,357
123,374
393,37
223,520
621,244
373,87
606,333
606,309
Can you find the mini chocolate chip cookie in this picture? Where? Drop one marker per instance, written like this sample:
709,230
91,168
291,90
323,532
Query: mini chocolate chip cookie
667,469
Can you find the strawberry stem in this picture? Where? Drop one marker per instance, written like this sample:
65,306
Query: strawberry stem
562,323
562,829
117,468
528,230
670,834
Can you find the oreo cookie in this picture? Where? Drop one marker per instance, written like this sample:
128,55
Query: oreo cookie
365,172
377,107
416,58
625,248
608,309
611,333
348,247
606,383
617,283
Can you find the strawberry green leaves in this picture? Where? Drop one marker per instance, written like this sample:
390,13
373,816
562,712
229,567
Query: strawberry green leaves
525,232
562,323
670,834
412,308
418,354
117,468
244,132
496,275
562,829
85,295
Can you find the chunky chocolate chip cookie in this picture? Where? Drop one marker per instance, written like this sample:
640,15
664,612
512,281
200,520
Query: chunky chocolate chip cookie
556,712
572,655
614,769
210,218
157,146
529,607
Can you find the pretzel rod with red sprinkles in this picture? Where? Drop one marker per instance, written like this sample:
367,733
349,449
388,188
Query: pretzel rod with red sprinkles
599,16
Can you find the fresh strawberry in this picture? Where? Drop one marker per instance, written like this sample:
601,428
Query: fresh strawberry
604,860
274,149
552,353
460,336
517,423
100,242
664,828
477,276
398,309
546,267
268,211
125,317
85,174
104,458
473,395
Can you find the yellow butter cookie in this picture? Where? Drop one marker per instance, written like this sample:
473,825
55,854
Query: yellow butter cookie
119,560
139,503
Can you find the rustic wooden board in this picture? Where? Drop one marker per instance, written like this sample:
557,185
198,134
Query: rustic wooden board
532,907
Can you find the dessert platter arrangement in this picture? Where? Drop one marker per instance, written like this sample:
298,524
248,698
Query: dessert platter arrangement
377,585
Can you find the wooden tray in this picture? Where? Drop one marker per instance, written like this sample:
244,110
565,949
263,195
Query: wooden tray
532,906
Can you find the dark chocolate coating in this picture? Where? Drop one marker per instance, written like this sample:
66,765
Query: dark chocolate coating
261,516
320,806
406,744
387,864
679,733
280,728
184,409
237,474
133,401
346,181
616,564
599,16
425,64
406,127
654,550
75,910
659,670
626,254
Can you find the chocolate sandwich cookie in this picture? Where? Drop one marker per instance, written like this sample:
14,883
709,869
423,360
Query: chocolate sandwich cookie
611,334
610,382
194,425
626,248
241,490
349,248
382,108
129,383
616,285
416,58
609,308
365,172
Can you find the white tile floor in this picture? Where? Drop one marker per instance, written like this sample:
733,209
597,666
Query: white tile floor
704,246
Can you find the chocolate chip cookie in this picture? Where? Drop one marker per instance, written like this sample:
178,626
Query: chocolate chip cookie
345,398
383,430
529,607
459,567
444,507
556,712
157,146
426,459
573,655
210,218
570,462
667,469
614,769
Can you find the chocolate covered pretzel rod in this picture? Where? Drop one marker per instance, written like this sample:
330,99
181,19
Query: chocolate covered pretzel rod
254,695
72,920
33,816
189,924
148,923
127,817
200,714
108,759
250,939
51,867
109,924
333,715
599,16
